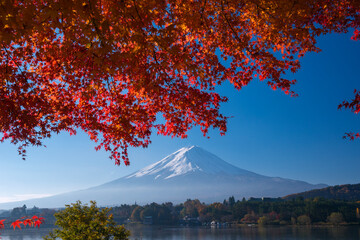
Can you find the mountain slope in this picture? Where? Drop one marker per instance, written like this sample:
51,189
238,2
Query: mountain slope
348,192
190,172
187,160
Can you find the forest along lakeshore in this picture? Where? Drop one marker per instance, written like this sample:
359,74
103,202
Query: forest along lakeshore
231,212
258,217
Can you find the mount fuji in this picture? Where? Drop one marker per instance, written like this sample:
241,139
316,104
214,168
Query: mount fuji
190,172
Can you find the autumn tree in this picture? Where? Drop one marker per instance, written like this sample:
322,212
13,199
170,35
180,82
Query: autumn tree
192,208
135,215
335,218
304,220
113,68
264,220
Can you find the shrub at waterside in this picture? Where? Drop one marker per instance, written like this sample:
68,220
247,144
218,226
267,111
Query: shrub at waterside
79,222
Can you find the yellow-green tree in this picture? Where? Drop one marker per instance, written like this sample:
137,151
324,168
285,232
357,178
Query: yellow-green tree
304,220
264,220
79,222
336,218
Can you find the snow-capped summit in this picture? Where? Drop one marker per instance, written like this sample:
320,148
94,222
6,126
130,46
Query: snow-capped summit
188,160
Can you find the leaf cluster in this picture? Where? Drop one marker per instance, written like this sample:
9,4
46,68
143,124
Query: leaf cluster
34,221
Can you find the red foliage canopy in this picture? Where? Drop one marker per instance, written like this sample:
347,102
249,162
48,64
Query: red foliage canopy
112,67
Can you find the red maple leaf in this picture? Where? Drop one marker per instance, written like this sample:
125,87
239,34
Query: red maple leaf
37,221
16,224
28,221
2,223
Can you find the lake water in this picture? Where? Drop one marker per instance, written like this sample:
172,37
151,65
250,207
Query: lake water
243,233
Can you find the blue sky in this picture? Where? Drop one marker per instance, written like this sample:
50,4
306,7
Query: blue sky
270,133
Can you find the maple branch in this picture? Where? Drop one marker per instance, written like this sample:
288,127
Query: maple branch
163,70
100,35
228,22
21,71
110,88
264,10
153,49
203,19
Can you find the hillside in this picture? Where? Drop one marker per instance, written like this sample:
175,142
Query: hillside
348,192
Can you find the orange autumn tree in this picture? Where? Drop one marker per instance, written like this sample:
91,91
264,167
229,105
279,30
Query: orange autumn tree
113,67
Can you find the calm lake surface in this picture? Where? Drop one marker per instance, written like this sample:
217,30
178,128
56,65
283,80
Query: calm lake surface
243,233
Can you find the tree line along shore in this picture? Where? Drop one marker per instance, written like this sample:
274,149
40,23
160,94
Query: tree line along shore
262,211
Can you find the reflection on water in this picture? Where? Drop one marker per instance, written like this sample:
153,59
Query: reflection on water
246,233
140,232
24,234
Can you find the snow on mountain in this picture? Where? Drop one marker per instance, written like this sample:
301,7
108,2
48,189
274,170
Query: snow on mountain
188,160
190,172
